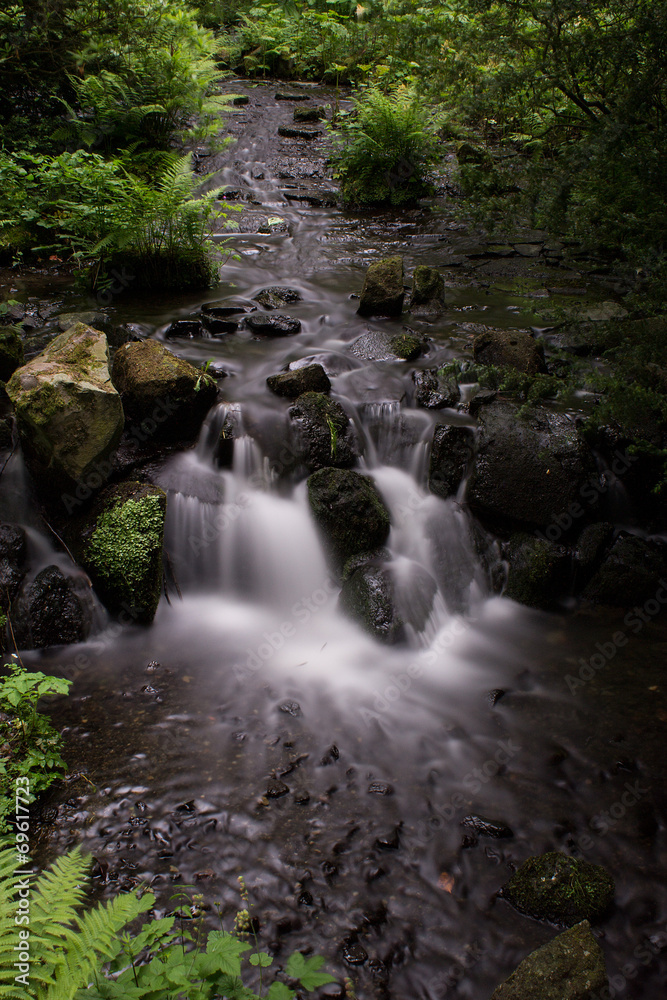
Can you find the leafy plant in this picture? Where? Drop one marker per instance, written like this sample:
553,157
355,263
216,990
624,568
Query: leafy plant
386,149
29,745
89,956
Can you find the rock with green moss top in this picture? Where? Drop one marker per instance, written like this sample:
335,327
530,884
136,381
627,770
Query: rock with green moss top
383,292
509,349
69,415
571,967
538,573
120,545
164,396
428,291
349,511
325,436
11,353
406,346
309,378
561,889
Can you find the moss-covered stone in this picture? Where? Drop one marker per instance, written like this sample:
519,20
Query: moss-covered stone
68,413
538,572
165,396
120,545
406,346
324,431
310,378
428,291
368,597
561,889
349,511
11,353
434,390
571,967
383,292
509,349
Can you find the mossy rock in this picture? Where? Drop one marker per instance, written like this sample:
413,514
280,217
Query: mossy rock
309,378
406,346
68,413
120,545
11,353
539,571
163,395
383,292
561,889
571,967
434,390
349,511
325,434
368,597
509,349
428,291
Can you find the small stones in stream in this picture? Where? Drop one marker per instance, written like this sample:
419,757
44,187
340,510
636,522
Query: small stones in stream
302,798
276,789
287,132
282,96
486,828
380,788
389,841
308,114
292,708
276,325
187,329
274,297
331,756
354,954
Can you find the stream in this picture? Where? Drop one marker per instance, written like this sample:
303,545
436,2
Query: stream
255,731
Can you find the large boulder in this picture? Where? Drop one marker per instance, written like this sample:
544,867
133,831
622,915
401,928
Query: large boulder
434,390
308,378
632,573
119,542
11,353
383,292
559,888
165,396
509,349
69,415
451,453
349,511
538,571
529,468
571,967
53,611
325,436
428,292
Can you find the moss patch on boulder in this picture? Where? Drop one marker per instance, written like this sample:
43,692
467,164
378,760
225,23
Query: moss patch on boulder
428,291
11,353
324,432
509,349
309,378
383,292
561,889
349,511
571,967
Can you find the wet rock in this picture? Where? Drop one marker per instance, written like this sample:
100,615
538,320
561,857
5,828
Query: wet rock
433,390
302,798
528,469
220,327
284,96
275,297
571,967
119,543
428,292
632,573
383,292
51,612
389,841
276,789
69,415
494,696
377,345
349,511
290,132
590,548
354,954
240,100
451,453
406,346
538,573
325,434
276,325
561,889
185,329
486,828
13,553
11,353
309,114
292,708
528,249
310,378
164,395
91,317
509,349
227,309
368,597
380,788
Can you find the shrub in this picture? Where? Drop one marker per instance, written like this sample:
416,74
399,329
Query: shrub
386,149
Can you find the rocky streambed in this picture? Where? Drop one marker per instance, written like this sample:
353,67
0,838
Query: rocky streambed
341,617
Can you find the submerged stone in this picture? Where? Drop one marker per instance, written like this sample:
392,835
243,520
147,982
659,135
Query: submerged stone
309,378
561,889
349,511
383,292
368,597
571,967
324,432
275,325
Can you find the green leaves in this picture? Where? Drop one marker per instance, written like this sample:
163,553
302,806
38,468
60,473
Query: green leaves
305,970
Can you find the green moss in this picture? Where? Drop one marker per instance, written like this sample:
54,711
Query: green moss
559,888
405,346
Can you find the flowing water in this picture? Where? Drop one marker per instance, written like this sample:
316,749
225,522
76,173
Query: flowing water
251,682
